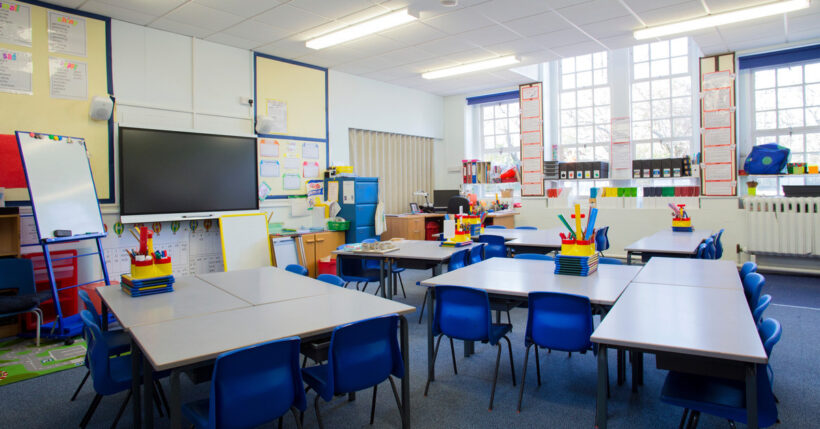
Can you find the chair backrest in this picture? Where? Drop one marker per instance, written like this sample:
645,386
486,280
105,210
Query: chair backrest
349,266
457,260
748,267
89,305
533,256
601,239
718,244
533,228
495,247
462,313
710,248
363,354
476,253
701,254
457,201
17,274
254,385
610,261
330,278
559,321
762,304
369,240
770,332
752,285
97,356
297,269
495,227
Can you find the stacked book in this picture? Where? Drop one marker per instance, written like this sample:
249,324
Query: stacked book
150,286
576,265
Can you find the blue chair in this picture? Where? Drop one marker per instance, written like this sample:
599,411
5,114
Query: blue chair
534,256
372,264
495,227
330,278
701,253
110,375
476,254
721,397
495,247
610,261
297,269
532,228
362,355
556,321
748,267
352,269
252,386
718,244
17,275
752,286
463,313
711,251
762,305
601,240
457,260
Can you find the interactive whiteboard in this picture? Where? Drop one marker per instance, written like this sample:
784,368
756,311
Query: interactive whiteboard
62,190
244,241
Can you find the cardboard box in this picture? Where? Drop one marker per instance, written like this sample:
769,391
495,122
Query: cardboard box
657,167
666,167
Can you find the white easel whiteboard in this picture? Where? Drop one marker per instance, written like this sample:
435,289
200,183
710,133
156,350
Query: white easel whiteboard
244,241
60,184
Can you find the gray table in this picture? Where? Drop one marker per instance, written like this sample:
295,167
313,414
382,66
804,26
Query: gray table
536,241
693,329
668,243
268,284
691,272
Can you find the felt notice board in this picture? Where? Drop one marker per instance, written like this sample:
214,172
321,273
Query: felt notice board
296,95
42,109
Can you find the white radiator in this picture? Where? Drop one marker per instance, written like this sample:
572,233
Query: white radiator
783,226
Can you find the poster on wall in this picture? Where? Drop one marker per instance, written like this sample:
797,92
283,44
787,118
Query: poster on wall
717,137
15,72
66,34
15,24
69,79
532,140
621,149
278,111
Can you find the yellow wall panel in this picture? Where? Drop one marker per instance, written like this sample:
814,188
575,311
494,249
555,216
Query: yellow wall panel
302,88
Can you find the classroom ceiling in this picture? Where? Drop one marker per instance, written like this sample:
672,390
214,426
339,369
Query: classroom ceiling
534,30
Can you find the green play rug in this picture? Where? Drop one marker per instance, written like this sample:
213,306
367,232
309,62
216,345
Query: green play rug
21,360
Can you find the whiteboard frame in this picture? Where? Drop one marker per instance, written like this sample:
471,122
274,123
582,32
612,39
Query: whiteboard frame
238,247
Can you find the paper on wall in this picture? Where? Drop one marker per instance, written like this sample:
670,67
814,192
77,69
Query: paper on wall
15,72
717,136
721,171
531,124
66,34
69,79
348,192
269,148
264,190
532,164
529,92
717,99
292,149
278,111
269,168
532,177
530,189
717,119
620,130
528,138
291,182
15,24
621,160
290,163
310,170
530,108
310,150
531,151
332,190
716,80
298,206
718,188
713,154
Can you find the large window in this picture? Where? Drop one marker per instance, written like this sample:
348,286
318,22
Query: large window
662,99
786,103
500,128
585,108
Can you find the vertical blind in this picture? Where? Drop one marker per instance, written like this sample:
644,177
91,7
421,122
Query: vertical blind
403,164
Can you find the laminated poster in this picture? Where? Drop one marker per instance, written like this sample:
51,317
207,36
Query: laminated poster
717,99
269,148
717,118
310,150
66,34
310,170
291,182
721,79
15,24
269,168
291,163
69,79
278,111
264,190
15,72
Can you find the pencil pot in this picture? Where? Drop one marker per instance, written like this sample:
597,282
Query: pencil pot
163,267
142,269
682,225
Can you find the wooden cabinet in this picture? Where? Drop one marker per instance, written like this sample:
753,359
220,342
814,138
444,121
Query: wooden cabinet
9,232
319,245
504,219
408,227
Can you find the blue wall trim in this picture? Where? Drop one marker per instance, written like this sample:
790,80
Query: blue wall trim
490,98
805,53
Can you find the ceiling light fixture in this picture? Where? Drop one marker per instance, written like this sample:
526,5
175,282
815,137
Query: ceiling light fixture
472,67
721,19
355,31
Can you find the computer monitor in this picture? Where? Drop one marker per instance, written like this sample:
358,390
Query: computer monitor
442,196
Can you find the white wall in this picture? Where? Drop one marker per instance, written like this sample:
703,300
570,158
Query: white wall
356,102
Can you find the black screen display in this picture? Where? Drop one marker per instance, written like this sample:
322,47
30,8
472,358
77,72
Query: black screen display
178,172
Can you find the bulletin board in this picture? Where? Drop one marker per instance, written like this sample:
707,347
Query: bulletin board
718,131
53,61
532,140
294,94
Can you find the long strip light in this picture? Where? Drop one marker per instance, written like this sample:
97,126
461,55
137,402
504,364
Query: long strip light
355,31
472,67
722,19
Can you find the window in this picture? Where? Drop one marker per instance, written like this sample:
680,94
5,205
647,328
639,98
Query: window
585,108
786,103
662,99
500,127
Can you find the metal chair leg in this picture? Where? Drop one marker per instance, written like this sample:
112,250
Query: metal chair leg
373,404
423,303
683,418
694,417
508,317
537,366
435,353
162,396
512,366
157,402
524,376
122,409
280,423
453,352
401,282
296,417
732,424
39,317
82,383
396,395
94,404
318,415
304,362
495,375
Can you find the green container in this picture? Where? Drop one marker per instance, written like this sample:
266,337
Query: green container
338,226
668,191
621,192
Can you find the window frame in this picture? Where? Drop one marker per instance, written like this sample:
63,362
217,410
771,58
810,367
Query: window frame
514,147
600,149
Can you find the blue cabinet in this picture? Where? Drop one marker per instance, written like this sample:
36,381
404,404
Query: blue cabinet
360,210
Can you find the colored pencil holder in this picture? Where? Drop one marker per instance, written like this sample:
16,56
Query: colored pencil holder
152,268
571,247
682,224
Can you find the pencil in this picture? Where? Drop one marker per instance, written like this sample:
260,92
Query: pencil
580,231
566,224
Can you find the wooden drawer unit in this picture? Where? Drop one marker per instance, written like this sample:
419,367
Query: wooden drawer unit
319,245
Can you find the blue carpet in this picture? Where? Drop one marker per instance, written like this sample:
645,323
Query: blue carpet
565,400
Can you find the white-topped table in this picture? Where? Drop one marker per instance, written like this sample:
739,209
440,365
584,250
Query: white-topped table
668,243
691,272
707,327
540,240
265,285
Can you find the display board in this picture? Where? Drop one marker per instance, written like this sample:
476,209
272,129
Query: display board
244,241
294,96
718,132
532,140
52,62
63,198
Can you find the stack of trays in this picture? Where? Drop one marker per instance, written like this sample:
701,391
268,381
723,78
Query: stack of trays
150,286
576,265
551,170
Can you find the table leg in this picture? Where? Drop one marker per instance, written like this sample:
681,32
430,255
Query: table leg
405,381
176,401
148,392
603,370
636,359
751,396
136,359
431,369
628,258
621,366
390,280
104,309
381,278
469,348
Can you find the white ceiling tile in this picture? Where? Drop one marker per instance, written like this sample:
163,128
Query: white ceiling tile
332,9
371,45
243,8
257,31
808,35
406,56
237,42
431,8
618,42
373,63
67,3
413,33
291,18
117,12
503,11
708,37
181,28
713,49
286,48
718,6
578,49
742,45
429,65
446,45
149,7
639,6
803,22
198,15
678,12
597,10
489,35
389,74
515,47
327,58
471,56
612,27
538,24
540,56
771,26
459,21
569,36
353,68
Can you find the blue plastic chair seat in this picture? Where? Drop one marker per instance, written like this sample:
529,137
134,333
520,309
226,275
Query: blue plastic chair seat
534,257
315,376
498,330
197,412
609,261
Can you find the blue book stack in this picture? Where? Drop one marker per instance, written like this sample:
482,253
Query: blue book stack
143,287
576,265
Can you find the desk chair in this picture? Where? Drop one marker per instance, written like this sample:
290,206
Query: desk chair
330,278
457,260
110,375
701,252
721,397
352,269
362,355
711,250
610,261
464,313
458,204
533,256
17,275
718,244
532,228
602,240
495,227
297,269
476,254
748,267
557,321
252,386
762,305
495,247
371,264
752,286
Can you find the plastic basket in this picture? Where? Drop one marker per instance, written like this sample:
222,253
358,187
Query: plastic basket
338,226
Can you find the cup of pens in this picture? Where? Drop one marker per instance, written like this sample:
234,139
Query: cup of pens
680,219
147,262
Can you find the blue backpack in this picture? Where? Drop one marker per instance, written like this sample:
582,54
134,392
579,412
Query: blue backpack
769,158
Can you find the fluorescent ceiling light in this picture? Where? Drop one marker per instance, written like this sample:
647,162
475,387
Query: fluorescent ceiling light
468,68
722,19
355,31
